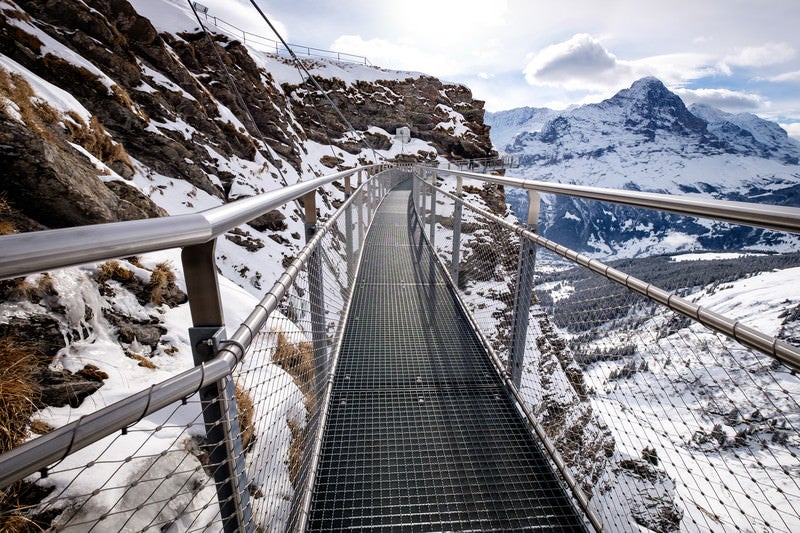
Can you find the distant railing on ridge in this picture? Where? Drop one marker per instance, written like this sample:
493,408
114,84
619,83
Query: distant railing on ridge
485,164
278,47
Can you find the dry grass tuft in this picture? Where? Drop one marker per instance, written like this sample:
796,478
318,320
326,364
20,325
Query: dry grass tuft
7,227
298,361
296,450
40,427
37,114
18,524
17,289
92,373
246,415
161,279
112,270
18,392
17,499
96,140
46,121
171,350
144,362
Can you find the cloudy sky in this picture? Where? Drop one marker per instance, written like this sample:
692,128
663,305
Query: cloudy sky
738,55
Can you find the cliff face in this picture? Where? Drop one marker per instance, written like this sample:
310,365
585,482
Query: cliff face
151,119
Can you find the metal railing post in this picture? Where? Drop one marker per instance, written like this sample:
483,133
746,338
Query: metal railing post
218,400
421,191
370,184
316,296
348,233
422,197
457,214
433,210
523,294
360,207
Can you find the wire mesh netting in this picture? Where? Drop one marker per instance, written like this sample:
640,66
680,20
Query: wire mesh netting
151,477
159,473
663,423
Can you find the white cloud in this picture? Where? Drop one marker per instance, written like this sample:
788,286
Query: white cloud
759,56
793,129
675,69
580,59
392,55
786,76
428,16
582,63
725,99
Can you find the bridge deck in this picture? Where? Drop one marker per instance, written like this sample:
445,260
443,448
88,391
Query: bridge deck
421,434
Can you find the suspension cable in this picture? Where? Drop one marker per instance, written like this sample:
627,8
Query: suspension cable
239,97
316,84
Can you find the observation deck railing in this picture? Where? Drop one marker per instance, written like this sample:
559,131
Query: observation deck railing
276,47
652,418
226,444
485,164
659,410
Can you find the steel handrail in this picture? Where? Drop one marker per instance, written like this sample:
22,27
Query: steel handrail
553,453
767,216
47,449
39,251
781,350
326,54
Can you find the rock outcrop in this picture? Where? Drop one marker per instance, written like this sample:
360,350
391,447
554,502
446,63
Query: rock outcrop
190,107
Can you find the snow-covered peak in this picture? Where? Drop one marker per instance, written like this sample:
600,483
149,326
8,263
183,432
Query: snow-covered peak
645,138
646,106
506,125
748,131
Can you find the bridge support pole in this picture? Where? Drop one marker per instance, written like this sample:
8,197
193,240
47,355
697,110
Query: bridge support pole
457,214
423,199
523,294
316,298
433,210
218,400
348,232
371,197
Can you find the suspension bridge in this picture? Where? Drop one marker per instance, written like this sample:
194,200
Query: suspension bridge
403,376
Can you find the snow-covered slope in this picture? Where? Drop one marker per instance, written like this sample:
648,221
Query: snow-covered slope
190,125
644,138
507,125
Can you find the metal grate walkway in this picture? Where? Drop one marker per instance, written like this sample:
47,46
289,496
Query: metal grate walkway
421,435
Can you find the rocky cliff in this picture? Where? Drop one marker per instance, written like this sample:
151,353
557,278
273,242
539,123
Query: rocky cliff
109,115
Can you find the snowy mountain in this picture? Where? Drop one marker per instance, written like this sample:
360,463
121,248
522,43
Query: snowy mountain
506,125
645,138
749,134
115,110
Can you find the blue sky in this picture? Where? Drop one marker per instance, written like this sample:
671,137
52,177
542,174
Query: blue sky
732,54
